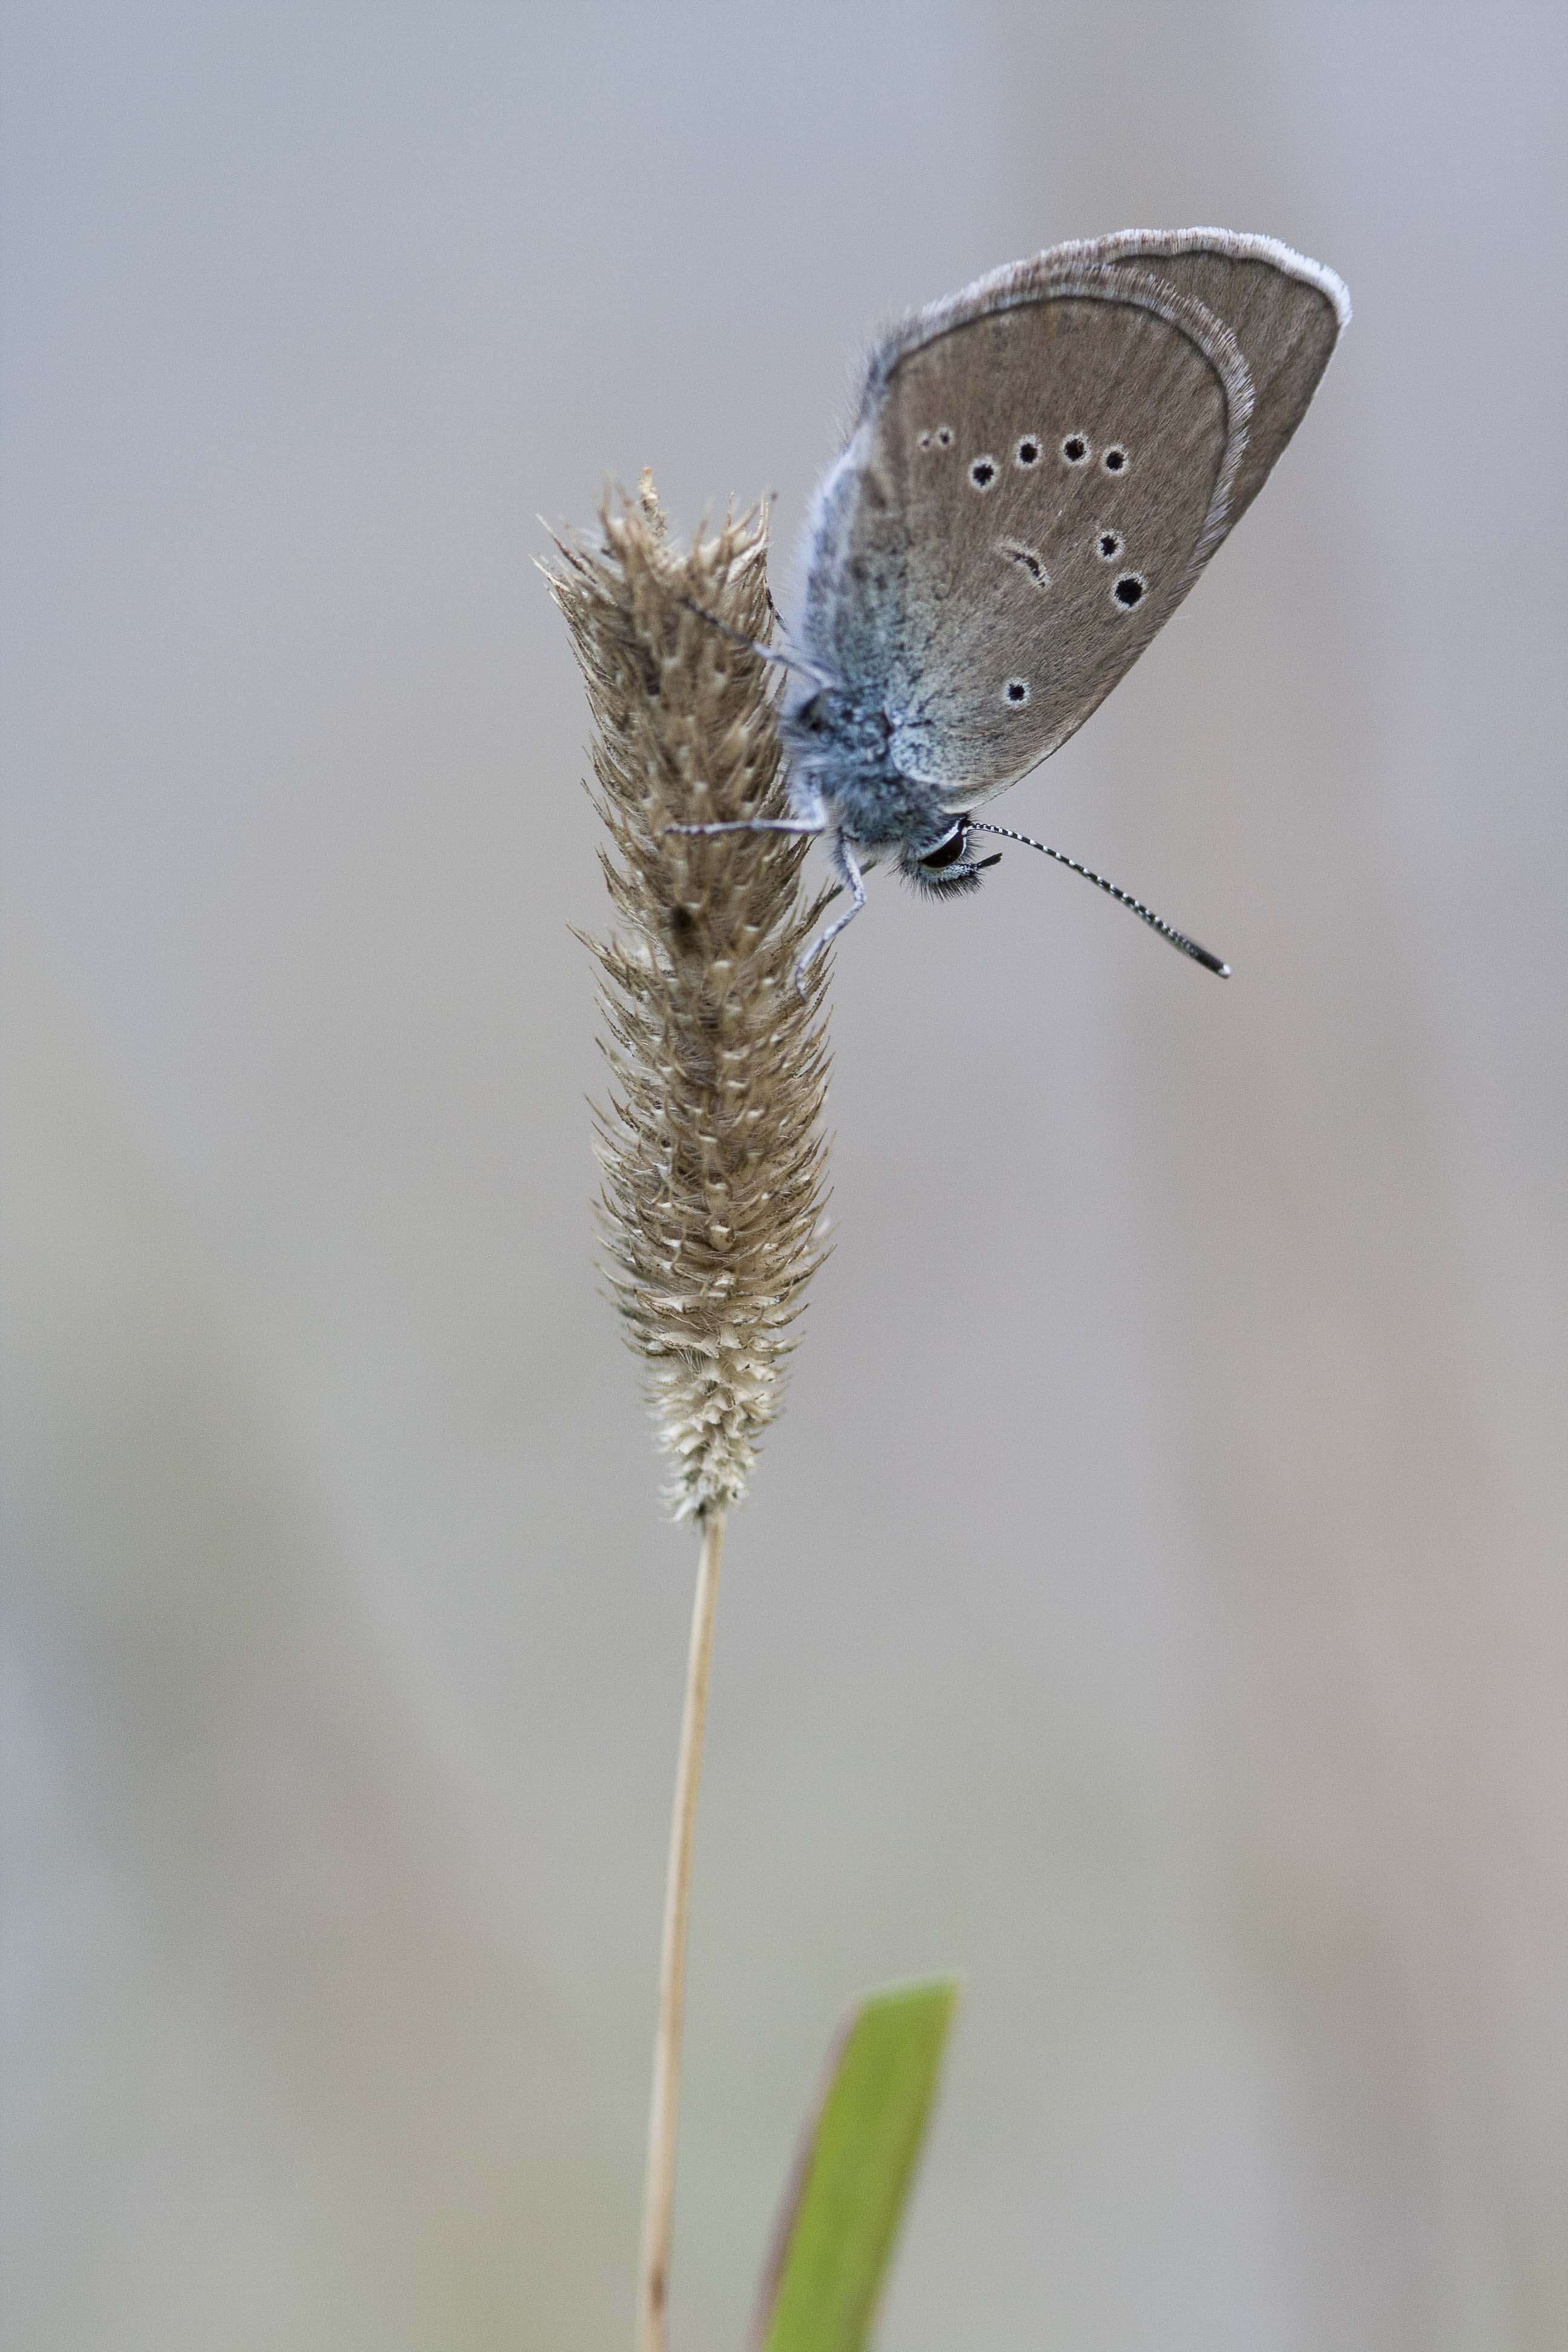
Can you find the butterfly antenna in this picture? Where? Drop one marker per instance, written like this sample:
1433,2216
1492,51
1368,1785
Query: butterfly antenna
754,645
1122,897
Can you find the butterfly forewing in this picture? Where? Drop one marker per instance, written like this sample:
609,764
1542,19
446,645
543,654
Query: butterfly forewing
1039,477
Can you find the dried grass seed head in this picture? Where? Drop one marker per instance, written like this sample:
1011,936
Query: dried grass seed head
712,1142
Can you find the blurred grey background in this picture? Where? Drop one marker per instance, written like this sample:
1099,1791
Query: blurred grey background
1151,1601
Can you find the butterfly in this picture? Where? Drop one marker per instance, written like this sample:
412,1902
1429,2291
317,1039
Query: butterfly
1039,469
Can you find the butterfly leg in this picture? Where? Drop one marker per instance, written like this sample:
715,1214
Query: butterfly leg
754,645
842,862
752,825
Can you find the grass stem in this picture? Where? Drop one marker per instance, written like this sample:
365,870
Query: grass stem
659,2197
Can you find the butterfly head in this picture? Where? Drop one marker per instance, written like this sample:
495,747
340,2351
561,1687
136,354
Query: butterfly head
943,869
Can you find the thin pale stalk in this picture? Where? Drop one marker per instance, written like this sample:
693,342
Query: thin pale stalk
659,2197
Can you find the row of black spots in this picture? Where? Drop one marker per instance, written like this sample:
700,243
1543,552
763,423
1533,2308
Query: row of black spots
1077,449
1016,693
1029,561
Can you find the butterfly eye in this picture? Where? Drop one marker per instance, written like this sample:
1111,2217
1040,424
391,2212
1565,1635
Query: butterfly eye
1027,452
1075,448
1115,461
1017,691
982,473
945,436
1107,546
1129,590
948,852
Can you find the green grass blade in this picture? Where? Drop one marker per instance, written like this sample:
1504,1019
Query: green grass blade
841,2209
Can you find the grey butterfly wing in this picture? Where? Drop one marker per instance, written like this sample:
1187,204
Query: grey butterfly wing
1041,466
1051,466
